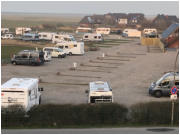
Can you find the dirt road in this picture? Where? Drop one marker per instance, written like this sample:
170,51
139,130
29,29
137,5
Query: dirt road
129,69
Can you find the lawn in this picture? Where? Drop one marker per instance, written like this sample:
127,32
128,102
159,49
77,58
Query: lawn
8,51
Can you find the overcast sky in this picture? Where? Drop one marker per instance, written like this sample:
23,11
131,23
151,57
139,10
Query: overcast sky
92,7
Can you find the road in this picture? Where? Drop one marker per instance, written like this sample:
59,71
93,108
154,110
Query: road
144,130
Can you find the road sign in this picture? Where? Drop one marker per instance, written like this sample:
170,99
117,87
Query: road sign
174,90
173,97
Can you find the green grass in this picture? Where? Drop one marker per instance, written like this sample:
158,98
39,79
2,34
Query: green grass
8,51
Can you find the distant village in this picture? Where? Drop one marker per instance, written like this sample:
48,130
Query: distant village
131,20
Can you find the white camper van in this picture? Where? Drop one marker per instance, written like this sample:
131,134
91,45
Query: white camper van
21,91
99,92
72,47
58,38
149,31
92,37
7,36
46,35
131,33
4,30
103,31
22,30
55,52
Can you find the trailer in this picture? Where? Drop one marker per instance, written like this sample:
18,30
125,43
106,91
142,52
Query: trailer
99,92
83,30
46,35
7,36
131,33
22,92
92,37
104,31
22,30
30,37
58,38
4,30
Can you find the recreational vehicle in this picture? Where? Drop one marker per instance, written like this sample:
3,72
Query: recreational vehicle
104,31
4,30
99,92
164,84
21,91
7,36
150,33
72,47
47,56
55,52
30,37
46,35
131,33
83,30
22,30
57,38
92,37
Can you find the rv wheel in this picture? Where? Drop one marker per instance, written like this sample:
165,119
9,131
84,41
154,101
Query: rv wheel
70,53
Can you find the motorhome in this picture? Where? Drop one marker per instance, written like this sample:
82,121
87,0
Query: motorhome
55,52
104,31
7,36
83,30
46,35
163,85
131,33
21,91
72,48
47,56
30,37
99,92
22,30
92,37
150,33
58,38
4,30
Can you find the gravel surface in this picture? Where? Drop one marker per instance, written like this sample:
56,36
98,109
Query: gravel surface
129,80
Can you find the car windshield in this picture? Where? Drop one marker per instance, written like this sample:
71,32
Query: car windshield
163,77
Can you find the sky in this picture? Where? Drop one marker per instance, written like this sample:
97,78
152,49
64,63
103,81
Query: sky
92,7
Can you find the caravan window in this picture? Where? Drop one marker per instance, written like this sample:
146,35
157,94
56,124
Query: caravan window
86,36
44,35
99,37
56,36
66,46
95,36
75,45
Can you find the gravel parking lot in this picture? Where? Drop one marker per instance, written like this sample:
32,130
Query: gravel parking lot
128,68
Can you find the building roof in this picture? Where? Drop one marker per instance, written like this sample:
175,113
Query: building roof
170,30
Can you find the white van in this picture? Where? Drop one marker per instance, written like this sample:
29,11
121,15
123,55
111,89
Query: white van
47,56
21,91
46,35
131,33
99,92
58,38
72,47
7,36
92,37
55,52
103,31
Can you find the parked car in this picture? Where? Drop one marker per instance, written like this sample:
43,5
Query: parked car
55,52
163,86
28,57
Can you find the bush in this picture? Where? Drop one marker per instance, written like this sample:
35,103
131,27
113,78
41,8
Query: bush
154,113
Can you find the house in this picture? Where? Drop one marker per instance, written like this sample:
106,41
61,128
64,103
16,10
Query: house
135,18
170,37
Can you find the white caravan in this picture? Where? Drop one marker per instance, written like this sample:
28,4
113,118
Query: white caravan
55,52
103,31
72,47
83,30
149,31
4,30
99,92
46,35
58,38
131,33
7,36
92,37
22,30
21,91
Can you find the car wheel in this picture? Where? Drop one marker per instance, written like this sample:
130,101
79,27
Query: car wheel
158,94
59,56
14,63
70,53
